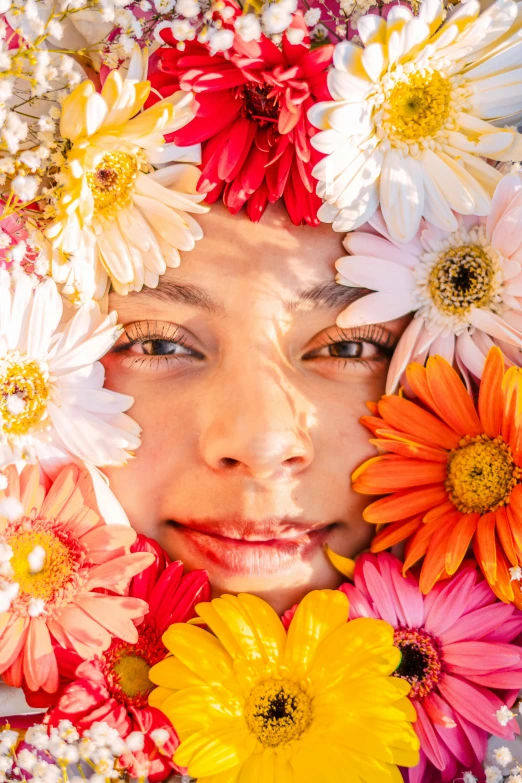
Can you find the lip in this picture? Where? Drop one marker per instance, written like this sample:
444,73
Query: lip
251,547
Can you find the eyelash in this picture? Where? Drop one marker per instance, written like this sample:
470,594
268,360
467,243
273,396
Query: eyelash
153,331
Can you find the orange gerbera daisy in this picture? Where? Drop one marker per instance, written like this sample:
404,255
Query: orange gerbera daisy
56,554
453,475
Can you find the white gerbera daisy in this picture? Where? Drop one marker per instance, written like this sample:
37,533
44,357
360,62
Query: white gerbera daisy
53,406
127,220
415,113
464,286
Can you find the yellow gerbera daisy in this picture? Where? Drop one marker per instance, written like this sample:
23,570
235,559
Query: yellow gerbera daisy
117,218
254,704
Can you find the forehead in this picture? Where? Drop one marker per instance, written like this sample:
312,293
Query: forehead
234,248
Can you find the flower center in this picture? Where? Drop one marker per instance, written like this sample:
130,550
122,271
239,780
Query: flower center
461,279
259,104
421,663
481,474
112,182
417,106
56,566
23,394
127,666
278,711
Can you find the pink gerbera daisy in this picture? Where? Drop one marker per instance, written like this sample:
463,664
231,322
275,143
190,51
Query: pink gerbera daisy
56,554
251,106
115,687
457,653
464,286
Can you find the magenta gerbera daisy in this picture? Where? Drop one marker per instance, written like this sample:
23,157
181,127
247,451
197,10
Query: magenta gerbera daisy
251,105
457,653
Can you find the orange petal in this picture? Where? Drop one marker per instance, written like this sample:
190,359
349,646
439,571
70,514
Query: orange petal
514,513
485,546
411,450
394,533
408,417
401,437
490,394
417,546
32,492
372,407
452,398
439,511
38,653
459,541
405,504
512,418
418,380
13,642
503,587
373,423
505,535
390,472
13,482
434,565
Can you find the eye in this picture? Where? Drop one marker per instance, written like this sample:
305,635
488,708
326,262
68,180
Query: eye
159,348
156,345
342,349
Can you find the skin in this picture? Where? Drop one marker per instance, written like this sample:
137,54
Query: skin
251,427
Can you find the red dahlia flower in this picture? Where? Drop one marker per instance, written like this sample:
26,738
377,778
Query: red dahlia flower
251,106
115,687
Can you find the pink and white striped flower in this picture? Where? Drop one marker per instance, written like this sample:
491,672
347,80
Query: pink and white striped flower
464,286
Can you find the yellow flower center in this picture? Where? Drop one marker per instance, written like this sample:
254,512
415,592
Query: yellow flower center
462,278
23,396
481,474
112,182
417,106
57,567
133,675
278,711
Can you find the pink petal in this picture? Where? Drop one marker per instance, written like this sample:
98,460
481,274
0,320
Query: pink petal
360,243
359,606
428,737
501,680
102,541
473,657
82,632
478,624
475,703
453,738
378,590
377,274
506,190
13,642
495,326
506,235
375,308
115,613
117,573
404,352
443,610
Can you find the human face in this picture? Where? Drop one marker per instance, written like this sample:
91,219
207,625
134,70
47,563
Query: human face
249,398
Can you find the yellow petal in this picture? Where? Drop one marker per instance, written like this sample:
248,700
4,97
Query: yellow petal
203,708
212,752
212,663
173,674
73,119
345,565
362,646
158,696
269,766
318,615
257,628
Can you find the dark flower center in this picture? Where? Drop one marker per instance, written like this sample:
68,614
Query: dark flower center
259,104
421,663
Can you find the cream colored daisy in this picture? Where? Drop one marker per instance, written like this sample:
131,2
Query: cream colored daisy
117,218
415,114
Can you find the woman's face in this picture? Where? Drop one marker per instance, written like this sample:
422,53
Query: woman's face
249,397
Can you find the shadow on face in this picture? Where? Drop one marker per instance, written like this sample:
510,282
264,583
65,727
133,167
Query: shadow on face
249,397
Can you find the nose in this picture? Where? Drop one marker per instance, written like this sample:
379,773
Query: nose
261,428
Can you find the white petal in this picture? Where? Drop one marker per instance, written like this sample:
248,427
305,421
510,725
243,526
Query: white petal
46,312
372,28
402,195
436,207
374,309
375,60
376,274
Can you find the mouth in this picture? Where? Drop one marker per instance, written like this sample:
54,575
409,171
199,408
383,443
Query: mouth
244,546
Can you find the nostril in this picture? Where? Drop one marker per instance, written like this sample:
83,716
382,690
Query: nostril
293,461
228,462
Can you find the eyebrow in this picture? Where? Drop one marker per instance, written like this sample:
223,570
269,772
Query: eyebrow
325,296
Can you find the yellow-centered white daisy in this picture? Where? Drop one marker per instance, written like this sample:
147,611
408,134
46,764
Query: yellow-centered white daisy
114,211
415,114
53,406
